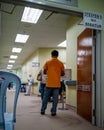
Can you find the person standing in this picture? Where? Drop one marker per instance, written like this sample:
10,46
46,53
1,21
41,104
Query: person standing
30,83
42,78
54,69
42,82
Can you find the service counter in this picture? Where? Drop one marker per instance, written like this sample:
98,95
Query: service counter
35,88
71,93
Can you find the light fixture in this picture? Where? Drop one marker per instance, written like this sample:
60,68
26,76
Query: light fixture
63,44
13,57
11,61
22,38
16,50
31,15
9,66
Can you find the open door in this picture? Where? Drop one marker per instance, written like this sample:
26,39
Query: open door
84,74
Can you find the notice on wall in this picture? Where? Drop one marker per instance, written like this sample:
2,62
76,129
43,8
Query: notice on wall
68,74
66,2
93,20
35,64
86,88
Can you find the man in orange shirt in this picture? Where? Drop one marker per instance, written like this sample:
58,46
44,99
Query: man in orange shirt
54,69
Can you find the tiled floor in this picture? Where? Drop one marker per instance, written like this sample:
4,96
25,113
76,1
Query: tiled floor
29,117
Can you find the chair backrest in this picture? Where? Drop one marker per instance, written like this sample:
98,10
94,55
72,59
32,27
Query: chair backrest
5,79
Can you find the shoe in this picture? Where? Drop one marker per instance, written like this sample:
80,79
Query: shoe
51,100
53,114
27,94
42,113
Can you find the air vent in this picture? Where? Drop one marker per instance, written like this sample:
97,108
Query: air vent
6,57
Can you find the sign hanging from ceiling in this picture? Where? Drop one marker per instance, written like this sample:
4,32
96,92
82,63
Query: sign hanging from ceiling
66,2
93,20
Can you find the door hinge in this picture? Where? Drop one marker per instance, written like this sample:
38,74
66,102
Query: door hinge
94,113
94,77
94,40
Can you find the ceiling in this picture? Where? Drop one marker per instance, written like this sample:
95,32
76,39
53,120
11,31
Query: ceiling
48,32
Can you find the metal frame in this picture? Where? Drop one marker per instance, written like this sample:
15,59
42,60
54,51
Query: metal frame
46,5
98,80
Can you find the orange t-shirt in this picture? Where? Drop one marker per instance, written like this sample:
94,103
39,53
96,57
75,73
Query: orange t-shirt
54,69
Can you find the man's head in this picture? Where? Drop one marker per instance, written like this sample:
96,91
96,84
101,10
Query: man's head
54,53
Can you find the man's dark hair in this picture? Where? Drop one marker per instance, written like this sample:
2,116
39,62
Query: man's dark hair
54,53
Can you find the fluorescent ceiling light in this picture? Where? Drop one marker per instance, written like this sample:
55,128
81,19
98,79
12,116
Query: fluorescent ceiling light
13,57
21,38
17,50
63,44
31,15
11,61
9,66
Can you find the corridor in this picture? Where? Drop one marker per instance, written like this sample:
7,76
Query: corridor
29,118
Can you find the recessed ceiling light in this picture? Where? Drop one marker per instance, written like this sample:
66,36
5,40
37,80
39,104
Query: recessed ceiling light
13,57
16,50
21,38
9,66
31,15
11,61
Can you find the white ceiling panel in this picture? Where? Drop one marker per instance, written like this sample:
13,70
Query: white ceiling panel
48,32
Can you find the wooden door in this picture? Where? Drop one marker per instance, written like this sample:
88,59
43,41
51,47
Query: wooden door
84,74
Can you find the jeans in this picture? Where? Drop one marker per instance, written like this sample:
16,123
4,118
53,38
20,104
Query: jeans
48,92
41,90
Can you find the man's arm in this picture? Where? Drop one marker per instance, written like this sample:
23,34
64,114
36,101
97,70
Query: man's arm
62,73
63,70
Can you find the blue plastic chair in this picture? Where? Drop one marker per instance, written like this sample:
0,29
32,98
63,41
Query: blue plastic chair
7,120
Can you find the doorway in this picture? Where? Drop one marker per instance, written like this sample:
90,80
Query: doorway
87,87
84,74
89,76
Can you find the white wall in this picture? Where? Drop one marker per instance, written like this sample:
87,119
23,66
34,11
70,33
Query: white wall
93,6
45,54
73,30
97,6
40,56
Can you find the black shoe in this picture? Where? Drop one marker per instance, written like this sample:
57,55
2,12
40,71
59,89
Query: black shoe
42,113
27,94
53,114
51,100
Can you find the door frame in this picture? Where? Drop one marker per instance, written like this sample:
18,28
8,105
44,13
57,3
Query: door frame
96,80
98,93
97,102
